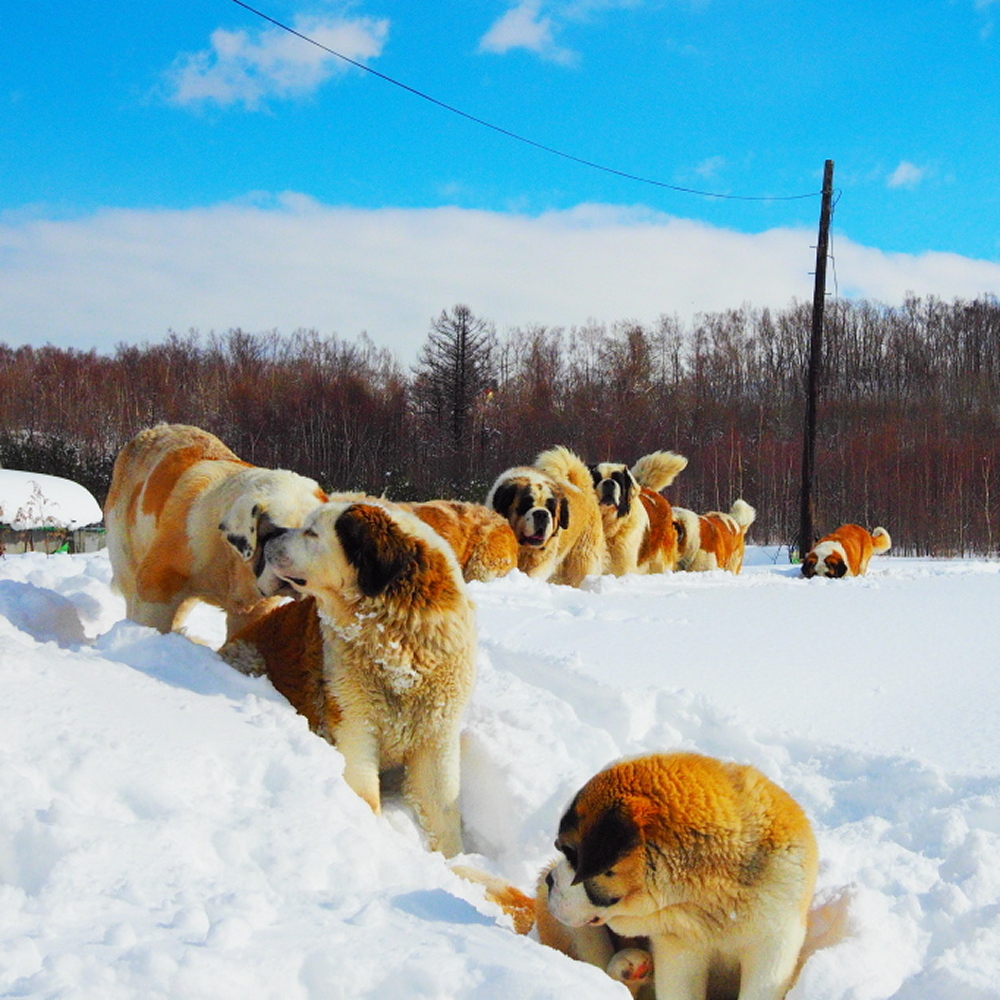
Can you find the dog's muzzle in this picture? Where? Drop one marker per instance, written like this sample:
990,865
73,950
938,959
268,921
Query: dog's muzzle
537,524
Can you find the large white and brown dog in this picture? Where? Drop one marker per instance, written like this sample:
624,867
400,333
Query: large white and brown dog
381,660
484,543
714,540
638,522
187,520
552,508
710,861
845,552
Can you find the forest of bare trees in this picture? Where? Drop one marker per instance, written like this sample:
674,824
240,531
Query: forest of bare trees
908,411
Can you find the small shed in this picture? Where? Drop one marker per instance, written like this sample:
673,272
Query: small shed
38,511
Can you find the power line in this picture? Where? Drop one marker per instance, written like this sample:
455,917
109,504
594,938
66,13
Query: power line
514,135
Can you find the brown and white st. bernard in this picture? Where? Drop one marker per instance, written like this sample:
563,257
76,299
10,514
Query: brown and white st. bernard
484,543
845,552
187,520
552,508
381,659
710,861
714,540
638,521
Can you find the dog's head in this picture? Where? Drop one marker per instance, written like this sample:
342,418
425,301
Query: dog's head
347,548
615,487
825,559
268,502
535,506
609,839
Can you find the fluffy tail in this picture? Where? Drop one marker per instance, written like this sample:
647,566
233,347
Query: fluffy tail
519,906
742,513
881,542
561,463
658,469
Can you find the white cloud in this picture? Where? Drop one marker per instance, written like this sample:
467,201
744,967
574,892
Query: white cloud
524,27
246,68
906,175
129,276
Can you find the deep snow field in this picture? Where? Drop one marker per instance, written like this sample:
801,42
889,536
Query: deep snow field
170,828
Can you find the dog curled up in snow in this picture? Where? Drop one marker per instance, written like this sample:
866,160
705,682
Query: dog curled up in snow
381,660
845,552
638,522
187,520
483,542
714,540
552,509
710,861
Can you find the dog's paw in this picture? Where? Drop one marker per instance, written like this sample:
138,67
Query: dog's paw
244,657
632,966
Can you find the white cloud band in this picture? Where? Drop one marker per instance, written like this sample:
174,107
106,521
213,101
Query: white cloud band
124,275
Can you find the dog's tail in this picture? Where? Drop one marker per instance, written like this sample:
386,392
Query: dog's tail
658,469
688,536
742,513
519,906
561,463
881,542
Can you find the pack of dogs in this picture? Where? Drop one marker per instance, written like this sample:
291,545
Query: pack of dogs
682,876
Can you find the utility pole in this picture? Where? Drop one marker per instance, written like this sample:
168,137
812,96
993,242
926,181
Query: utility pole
815,362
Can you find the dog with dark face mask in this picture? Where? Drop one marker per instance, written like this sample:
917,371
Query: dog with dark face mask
638,521
553,511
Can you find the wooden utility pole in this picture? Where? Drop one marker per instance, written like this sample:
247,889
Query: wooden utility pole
815,361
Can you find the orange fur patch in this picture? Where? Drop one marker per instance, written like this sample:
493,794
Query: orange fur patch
482,540
659,546
290,642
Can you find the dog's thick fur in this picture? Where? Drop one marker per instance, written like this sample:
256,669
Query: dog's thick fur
845,552
714,540
381,661
710,861
187,520
638,522
552,509
484,543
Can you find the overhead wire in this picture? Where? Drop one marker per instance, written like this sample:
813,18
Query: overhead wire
514,135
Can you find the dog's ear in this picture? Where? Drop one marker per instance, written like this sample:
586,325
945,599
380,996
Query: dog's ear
628,489
239,525
610,837
838,567
563,513
375,546
503,498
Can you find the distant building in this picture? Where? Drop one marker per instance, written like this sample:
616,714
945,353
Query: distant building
39,511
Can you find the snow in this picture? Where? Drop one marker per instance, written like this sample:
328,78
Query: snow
35,500
170,828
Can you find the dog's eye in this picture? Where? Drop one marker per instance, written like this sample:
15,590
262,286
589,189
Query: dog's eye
569,853
610,873
309,533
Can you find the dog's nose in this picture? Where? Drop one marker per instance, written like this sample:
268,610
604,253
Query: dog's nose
540,519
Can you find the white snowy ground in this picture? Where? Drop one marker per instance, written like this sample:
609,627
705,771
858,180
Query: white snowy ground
169,828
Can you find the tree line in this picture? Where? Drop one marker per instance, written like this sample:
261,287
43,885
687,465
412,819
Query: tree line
908,409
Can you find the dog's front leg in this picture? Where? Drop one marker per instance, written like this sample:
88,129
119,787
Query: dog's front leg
431,785
767,970
679,971
359,745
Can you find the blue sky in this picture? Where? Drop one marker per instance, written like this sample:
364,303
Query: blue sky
180,165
